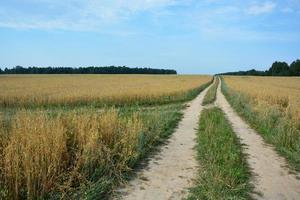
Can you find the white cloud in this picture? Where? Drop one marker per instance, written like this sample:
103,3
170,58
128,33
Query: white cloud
261,8
236,33
77,14
212,18
238,21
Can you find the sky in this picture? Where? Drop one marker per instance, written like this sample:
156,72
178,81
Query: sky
191,36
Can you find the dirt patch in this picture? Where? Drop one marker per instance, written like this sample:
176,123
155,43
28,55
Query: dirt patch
170,176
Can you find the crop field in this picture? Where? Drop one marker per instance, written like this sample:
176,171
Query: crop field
73,90
149,100
272,106
85,136
67,152
273,91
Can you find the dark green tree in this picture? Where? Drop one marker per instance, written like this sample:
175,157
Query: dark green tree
279,69
87,70
295,68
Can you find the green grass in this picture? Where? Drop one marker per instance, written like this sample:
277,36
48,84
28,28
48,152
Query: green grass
210,96
275,127
224,173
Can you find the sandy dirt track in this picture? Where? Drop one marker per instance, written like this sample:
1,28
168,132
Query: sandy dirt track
171,171
271,176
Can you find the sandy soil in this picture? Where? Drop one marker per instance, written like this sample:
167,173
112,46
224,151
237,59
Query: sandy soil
271,176
171,171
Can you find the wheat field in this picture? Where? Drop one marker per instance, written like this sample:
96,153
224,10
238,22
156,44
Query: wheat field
281,92
41,90
39,151
66,152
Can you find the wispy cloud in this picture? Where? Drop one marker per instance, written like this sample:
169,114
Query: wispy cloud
76,14
213,18
261,8
243,22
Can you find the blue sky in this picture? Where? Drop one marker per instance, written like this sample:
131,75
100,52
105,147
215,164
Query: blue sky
191,36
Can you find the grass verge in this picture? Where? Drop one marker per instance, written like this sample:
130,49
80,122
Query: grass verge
210,96
224,173
275,127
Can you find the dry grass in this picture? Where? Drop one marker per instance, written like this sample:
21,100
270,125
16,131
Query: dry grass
282,92
41,90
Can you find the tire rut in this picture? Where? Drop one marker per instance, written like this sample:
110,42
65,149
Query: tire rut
172,170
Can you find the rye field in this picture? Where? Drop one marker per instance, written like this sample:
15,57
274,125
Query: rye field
272,106
78,136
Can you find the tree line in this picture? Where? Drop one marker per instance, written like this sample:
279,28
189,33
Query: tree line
85,70
277,69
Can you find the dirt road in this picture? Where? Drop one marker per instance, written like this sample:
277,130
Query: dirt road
171,172
272,179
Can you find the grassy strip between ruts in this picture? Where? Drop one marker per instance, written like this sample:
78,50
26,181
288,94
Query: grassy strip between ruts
223,173
210,96
275,127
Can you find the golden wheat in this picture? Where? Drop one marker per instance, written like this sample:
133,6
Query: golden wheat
282,92
42,149
34,154
32,90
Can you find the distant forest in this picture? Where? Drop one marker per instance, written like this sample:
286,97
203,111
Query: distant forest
277,69
85,70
